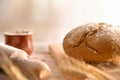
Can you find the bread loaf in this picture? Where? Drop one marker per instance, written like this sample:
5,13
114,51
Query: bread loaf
93,42
32,69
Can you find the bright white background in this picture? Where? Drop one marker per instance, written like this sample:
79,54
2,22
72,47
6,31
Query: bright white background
52,19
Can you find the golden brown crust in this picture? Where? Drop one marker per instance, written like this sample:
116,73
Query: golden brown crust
94,42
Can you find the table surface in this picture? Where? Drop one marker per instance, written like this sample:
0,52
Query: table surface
42,53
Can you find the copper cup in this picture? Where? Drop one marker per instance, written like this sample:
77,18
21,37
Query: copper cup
20,39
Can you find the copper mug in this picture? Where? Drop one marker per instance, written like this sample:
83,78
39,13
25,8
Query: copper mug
20,39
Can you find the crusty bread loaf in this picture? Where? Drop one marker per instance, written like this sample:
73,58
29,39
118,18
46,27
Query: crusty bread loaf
93,42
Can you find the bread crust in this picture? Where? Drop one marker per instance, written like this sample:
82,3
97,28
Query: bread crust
93,42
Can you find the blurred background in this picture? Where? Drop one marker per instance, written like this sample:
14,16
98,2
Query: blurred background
52,19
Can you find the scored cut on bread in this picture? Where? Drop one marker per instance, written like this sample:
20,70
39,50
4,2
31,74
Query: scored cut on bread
93,42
